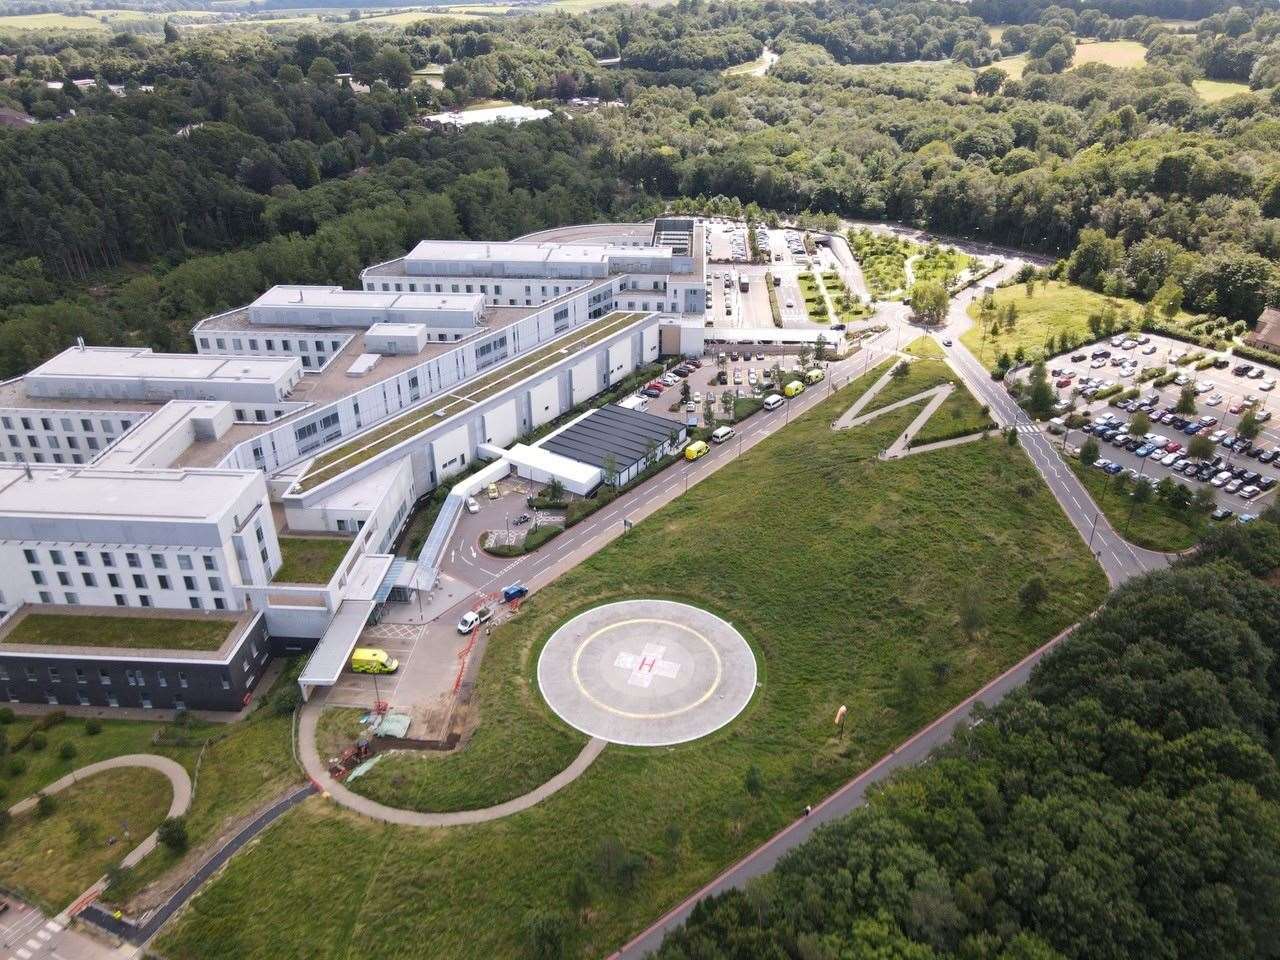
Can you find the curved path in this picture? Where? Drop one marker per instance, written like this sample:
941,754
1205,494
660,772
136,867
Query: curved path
175,772
340,794
180,804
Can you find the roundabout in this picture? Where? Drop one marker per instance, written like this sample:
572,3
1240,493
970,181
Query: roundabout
647,673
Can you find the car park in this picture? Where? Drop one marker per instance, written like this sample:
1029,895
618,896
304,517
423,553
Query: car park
1112,469
1222,513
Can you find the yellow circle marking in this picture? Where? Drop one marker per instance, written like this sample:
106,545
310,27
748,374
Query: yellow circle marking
715,683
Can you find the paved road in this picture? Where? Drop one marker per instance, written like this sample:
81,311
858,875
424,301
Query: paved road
1118,558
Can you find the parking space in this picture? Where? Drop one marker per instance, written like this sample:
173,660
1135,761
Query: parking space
746,373
1239,472
728,242
399,640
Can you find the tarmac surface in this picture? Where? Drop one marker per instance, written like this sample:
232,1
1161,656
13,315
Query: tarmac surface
647,673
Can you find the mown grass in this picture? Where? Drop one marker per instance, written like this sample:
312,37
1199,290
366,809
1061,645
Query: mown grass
960,414
1053,309
1152,524
310,559
842,572
54,859
941,264
920,376
815,304
1215,91
925,347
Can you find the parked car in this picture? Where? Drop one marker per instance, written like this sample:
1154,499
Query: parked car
473,618
514,592
492,491
472,506
1222,513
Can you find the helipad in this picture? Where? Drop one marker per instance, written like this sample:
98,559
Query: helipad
647,672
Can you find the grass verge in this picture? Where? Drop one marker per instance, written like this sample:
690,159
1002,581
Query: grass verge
859,609
1152,525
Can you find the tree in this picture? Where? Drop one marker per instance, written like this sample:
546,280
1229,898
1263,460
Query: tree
1142,490
686,392
1200,447
1089,452
555,489
929,301
708,408
820,349
1203,500
170,32
610,470
393,65
727,400
900,370
753,781
1186,401
173,834
1168,299
322,72
1249,426
805,353
989,81
1139,424
1039,398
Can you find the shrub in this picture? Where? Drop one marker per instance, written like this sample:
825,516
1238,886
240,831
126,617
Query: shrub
286,700
17,767
173,834
6,715
39,741
92,727
67,751
45,805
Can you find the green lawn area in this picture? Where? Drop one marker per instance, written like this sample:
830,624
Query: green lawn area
1053,309
137,633
925,347
1151,524
1214,91
920,376
310,559
54,859
940,263
883,260
959,415
846,313
237,768
841,570
814,303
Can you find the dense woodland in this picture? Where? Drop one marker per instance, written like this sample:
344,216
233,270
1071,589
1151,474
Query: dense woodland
1125,803
894,110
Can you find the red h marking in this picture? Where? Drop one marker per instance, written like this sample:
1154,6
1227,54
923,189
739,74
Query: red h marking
647,664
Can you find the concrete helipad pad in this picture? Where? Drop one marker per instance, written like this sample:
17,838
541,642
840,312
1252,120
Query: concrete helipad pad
647,673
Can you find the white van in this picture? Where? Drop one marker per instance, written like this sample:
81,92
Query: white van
721,434
773,402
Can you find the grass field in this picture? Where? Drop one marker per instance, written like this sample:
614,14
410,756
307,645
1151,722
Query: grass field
960,415
310,559
64,21
54,859
1152,524
841,570
145,633
883,260
940,263
1114,53
1214,91
236,768
1053,309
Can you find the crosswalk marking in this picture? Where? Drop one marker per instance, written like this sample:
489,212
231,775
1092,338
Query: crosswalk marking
53,926
23,954
43,935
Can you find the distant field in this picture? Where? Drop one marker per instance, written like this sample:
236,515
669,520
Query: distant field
1115,53
62,21
1211,91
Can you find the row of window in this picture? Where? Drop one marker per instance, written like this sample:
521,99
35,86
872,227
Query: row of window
113,580
67,424
72,599
82,699
40,458
82,558
286,346
54,443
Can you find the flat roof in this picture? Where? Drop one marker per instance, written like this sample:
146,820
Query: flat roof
330,655
131,638
339,298
13,394
156,429
68,492
627,436
516,113
467,395
540,458
128,363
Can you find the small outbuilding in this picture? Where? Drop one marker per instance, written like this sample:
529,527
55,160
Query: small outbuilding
613,437
1266,332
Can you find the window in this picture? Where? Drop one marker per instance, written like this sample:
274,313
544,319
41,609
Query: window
164,582
182,679
157,561
71,598
194,602
56,557
140,581
120,601
219,603
215,583
64,578
82,698
82,558
55,675
46,596
184,562
37,578
161,679
204,343
144,600
208,562
30,556
80,675
133,560
113,580
189,583
113,700
226,680
89,579
107,559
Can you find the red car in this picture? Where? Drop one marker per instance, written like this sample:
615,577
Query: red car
1064,382
1173,446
